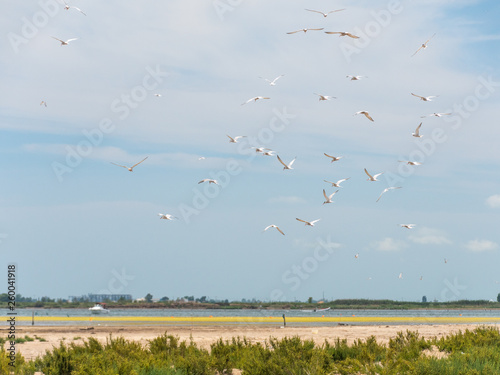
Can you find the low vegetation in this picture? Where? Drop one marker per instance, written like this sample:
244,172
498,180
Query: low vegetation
469,352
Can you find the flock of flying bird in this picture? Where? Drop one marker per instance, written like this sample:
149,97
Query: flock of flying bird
269,152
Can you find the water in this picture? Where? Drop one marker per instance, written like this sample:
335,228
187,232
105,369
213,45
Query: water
332,317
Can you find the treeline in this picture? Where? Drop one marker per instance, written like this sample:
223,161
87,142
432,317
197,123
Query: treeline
469,352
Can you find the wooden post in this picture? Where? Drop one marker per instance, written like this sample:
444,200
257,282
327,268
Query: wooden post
284,321
32,317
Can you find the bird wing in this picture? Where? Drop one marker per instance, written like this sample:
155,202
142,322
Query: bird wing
281,161
205,179
418,96
249,100
335,192
62,41
315,221
378,174
368,116
428,40
231,138
266,228
119,165
418,129
344,179
369,175
328,155
293,161
293,32
316,11
78,9
333,11
301,220
274,80
136,164
316,29
380,196
324,194
69,40
279,230
333,32
417,51
352,36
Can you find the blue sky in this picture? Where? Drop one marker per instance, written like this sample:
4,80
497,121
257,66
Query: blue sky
76,224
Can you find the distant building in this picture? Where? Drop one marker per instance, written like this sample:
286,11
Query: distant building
101,297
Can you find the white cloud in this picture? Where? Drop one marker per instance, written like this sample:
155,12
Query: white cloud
493,201
389,244
481,245
429,236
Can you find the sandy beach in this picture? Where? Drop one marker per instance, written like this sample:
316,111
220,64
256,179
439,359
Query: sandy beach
205,335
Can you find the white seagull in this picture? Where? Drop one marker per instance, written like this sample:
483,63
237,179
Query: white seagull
310,223
424,45
254,99
132,167
325,97
342,33
407,226
409,162
387,189
67,7
235,139
367,115
325,14
417,132
356,256
44,103
209,180
274,226
374,177
64,43
158,95
337,184
436,115
356,78
269,153
329,197
261,149
334,158
304,30
167,216
273,82
425,98
285,166
401,275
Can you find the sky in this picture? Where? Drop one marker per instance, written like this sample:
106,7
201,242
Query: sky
167,80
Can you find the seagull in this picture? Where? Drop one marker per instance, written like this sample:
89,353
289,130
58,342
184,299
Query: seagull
64,43
235,139
436,115
334,158
401,275
364,113
310,223
356,256
273,82
425,98
417,132
304,30
158,95
337,184
132,167
274,226
325,97
374,177
445,260
254,99
407,226
209,180
387,189
325,14
201,158
328,197
285,166
342,33
424,45
409,162
269,153
261,149
44,103
67,7
356,78
167,216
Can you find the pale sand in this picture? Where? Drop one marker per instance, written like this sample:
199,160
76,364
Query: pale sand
204,335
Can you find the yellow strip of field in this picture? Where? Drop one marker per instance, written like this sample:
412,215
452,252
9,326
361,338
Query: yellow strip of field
252,319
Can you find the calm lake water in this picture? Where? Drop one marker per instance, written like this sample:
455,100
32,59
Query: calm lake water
42,316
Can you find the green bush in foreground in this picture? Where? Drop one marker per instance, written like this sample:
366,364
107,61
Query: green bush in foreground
469,352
